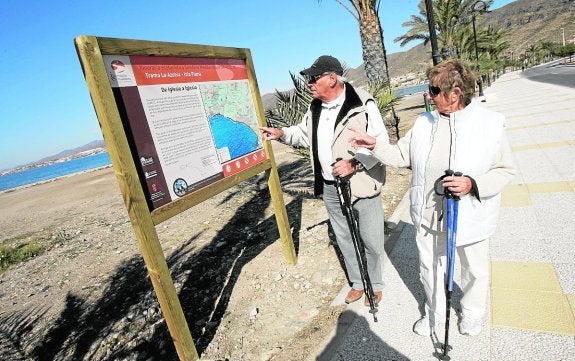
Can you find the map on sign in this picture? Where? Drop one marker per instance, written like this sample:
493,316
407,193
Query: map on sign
232,118
193,120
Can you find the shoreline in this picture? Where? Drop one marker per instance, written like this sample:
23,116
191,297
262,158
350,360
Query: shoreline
53,179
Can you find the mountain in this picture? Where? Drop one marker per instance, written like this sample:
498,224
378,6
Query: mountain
526,21
531,21
94,147
404,66
268,100
74,152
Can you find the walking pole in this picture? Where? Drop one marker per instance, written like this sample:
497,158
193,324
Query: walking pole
452,210
344,194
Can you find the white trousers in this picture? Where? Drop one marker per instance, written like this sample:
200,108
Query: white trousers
475,271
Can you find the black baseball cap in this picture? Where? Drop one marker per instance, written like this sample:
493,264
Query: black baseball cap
323,64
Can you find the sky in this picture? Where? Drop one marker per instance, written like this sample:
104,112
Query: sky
45,106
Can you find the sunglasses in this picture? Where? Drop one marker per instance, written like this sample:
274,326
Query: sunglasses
314,78
434,90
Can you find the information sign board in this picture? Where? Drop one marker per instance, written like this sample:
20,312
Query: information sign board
180,123
192,120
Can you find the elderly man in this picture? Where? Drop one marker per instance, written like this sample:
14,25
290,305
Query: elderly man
324,128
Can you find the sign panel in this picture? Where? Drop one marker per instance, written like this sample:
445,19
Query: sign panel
192,121
180,123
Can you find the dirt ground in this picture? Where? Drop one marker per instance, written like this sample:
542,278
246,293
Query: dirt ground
88,297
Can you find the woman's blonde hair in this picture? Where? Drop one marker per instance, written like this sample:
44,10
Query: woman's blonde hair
453,73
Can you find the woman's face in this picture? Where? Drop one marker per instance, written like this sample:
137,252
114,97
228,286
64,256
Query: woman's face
445,102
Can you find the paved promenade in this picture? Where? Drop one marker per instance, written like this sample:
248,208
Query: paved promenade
532,302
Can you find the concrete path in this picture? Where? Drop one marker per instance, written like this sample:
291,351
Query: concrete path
532,302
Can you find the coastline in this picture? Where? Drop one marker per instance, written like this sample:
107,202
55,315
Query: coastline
45,163
53,179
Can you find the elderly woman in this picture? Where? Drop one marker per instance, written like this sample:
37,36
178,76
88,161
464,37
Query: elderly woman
465,137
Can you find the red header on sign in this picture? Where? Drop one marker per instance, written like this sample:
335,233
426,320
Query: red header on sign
155,70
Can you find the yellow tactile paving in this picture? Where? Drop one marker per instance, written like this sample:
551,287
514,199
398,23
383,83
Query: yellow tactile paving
550,187
528,296
565,143
524,276
515,195
571,299
519,195
532,311
545,124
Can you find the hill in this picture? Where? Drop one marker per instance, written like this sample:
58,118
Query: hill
526,21
531,21
94,147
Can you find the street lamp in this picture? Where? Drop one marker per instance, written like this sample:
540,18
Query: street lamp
432,36
512,63
478,7
563,35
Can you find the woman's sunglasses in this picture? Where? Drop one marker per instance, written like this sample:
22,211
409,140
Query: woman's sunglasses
434,90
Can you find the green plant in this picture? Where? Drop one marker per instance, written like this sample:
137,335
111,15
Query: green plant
291,105
12,254
386,102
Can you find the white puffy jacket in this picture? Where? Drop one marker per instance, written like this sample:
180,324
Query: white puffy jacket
479,149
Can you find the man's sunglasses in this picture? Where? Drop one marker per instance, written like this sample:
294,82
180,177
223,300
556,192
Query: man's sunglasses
434,90
314,78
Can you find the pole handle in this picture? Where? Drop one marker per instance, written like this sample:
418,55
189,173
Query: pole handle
448,193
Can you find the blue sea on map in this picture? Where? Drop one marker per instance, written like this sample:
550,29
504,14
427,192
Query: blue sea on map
239,138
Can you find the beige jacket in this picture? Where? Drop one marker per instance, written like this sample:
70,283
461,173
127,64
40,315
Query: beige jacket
364,183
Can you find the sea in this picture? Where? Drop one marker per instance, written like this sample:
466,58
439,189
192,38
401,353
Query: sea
411,90
52,171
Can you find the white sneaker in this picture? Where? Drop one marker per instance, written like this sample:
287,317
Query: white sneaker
424,326
470,326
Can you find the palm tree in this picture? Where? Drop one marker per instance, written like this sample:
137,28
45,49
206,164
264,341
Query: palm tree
545,48
386,103
452,21
493,44
418,28
371,33
366,12
290,107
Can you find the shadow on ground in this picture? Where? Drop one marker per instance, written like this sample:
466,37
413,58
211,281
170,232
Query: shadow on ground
372,348
126,323
403,256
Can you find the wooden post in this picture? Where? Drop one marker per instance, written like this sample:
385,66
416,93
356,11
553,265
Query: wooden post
281,215
134,198
144,220
274,184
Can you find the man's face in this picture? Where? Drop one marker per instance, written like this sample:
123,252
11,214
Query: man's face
320,85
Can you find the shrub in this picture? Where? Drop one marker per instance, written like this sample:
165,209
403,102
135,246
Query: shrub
13,254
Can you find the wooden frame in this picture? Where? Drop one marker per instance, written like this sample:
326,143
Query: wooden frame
91,51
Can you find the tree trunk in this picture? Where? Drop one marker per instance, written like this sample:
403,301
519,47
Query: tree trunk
372,46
